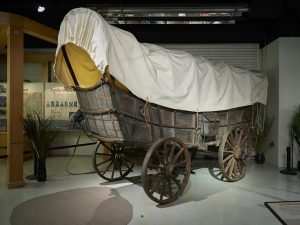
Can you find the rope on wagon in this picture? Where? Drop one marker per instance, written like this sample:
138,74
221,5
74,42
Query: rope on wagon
143,112
197,137
260,117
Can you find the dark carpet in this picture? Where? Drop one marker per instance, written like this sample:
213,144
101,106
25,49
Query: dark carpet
83,206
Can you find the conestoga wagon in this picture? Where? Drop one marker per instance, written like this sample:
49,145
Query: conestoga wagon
129,112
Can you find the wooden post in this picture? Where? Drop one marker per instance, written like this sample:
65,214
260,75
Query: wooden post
15,73
17,26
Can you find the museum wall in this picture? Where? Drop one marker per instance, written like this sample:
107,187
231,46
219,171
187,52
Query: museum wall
271,66
37,95
32,72
282,60
289,92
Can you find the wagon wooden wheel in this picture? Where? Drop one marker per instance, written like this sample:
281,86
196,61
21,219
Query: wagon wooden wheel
166,170
111,161
235,152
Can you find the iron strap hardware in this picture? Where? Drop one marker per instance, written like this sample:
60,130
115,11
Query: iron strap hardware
69,65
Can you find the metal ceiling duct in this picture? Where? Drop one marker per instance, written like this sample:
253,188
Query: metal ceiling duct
196,14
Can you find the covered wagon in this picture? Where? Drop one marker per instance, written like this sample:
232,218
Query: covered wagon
138,97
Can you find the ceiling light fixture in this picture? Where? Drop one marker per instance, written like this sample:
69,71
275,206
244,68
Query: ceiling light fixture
189,14
41,8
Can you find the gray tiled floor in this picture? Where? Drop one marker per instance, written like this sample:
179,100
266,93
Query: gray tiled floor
206,200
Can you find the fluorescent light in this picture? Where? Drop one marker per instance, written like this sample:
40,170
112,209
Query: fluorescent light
41,8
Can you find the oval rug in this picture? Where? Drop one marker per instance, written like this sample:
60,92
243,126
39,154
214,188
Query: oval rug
90,206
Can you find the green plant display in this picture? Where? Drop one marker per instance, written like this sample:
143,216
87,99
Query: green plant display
262,135
41,132
295,122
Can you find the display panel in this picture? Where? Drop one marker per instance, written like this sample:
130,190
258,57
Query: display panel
60,104
50,100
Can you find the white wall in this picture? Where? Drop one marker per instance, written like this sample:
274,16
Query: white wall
244,55
271,61
32,72
66,138
283,70
289,91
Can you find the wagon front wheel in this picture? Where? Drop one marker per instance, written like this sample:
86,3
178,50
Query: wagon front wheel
111,161
166,170
235,152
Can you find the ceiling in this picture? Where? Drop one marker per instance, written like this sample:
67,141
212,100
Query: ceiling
261,22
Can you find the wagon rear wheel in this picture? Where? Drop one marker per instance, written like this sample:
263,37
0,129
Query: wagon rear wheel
111,162
166,170
235,152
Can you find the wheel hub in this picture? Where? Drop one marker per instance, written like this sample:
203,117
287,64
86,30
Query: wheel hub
171,171
237,152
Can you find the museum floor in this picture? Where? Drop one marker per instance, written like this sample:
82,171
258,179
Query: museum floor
205,201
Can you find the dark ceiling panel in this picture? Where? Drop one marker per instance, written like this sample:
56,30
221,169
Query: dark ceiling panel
265,21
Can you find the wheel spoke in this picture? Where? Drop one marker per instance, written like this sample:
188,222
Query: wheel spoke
171,153
227,158
236,169
113,171
243,141
120,167
170,188
231,168
229,151
161,171
103,172
159,157
177,182
128,167
177,155
236,136
228,164
240,167
183,162
240,137
165,152
154,176
229,144
105,161
106,146
231,138
154,187
113,161
105,154
163,189
153,166
218,174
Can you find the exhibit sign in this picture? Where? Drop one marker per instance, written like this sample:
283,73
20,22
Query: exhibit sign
50,100
33,97
3,107
60,104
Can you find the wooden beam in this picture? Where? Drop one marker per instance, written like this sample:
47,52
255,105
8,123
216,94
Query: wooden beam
4,18
34,57
45,75
14,106
3,35
40,31
18,25
31,27
39,57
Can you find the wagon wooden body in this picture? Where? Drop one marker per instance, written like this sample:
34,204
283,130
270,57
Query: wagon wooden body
123,122
90,50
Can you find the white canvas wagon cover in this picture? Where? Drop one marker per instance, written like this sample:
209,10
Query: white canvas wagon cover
173,79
